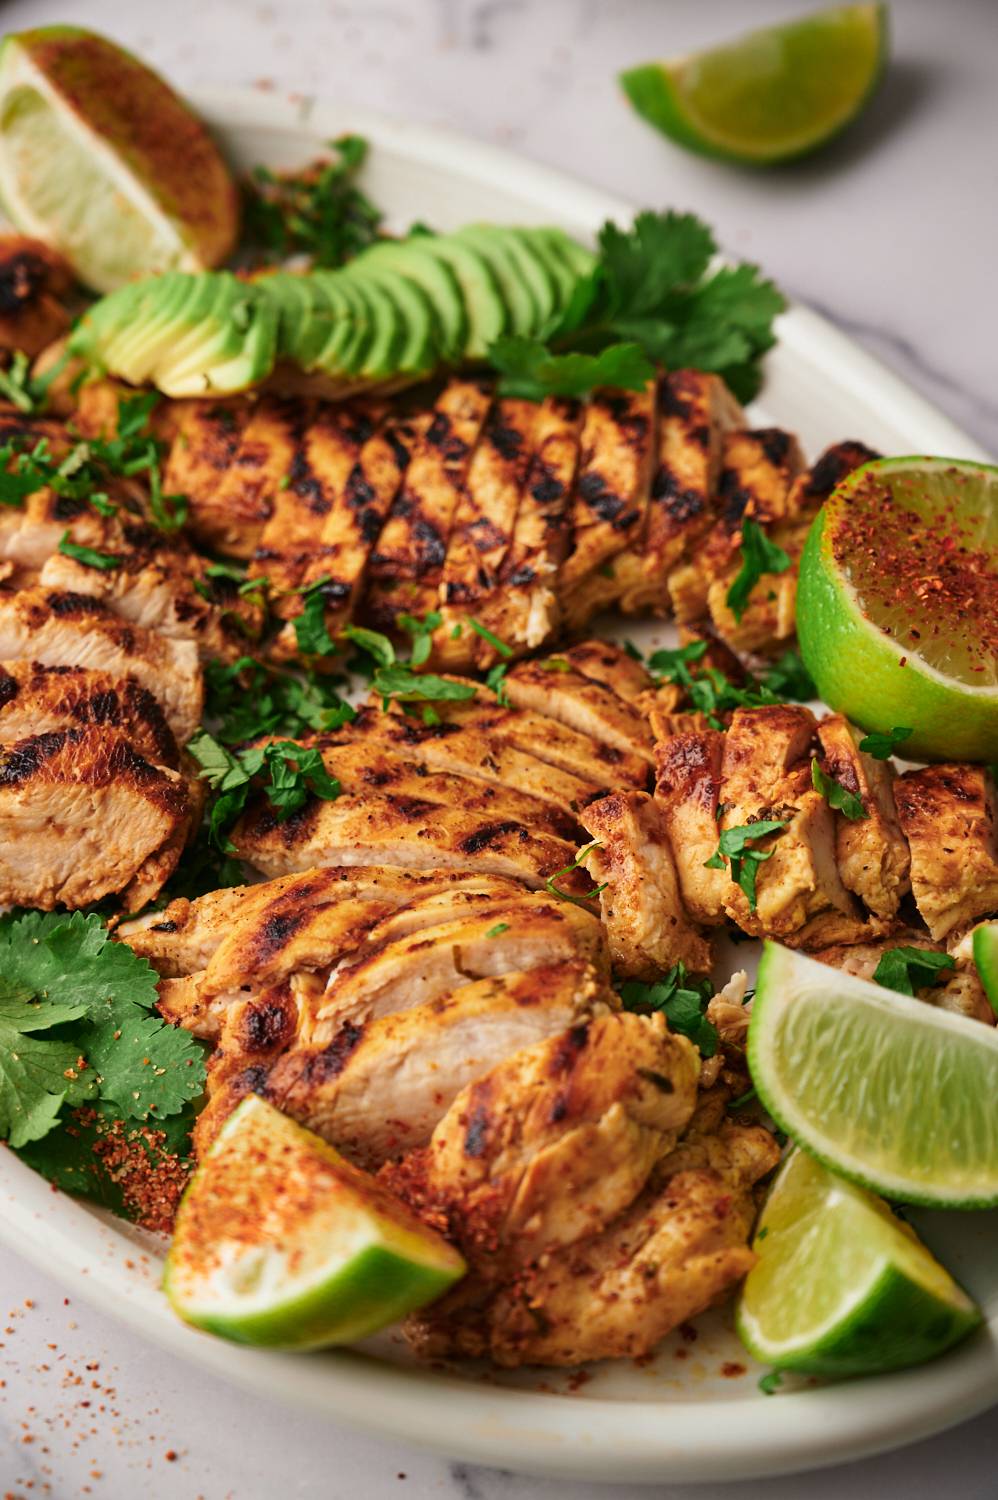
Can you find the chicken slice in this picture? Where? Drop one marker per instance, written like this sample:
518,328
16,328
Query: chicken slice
948,815
872,852
180,939
83,816
34,284
468,752
556,1140
406,563
58,629
758,470
610,504
681,1247
607,663
687,788
647,926
380,1089
35,699
585,705
430,961
695,411
766,774
959,990
399,829
228,490
523,610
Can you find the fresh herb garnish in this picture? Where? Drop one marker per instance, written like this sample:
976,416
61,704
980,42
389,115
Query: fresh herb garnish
743,1099
497,930
771,1383
883,745
244,700
788,677
29,393
422,635
78,1023
396,679
681,1000
713,693
909,969
493,640
835,794
577,864
651,299
737,845
759,557
495,680
319,211
291,774
311,630
105,561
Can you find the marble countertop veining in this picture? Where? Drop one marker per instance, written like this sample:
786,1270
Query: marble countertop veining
891,234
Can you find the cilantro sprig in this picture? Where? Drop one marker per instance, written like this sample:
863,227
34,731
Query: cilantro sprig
652,299
713,693
578,863
738,847
838,797
319,211
245,700
290,774
883,745
909,969
78,1023
759,556
393,678
681,1000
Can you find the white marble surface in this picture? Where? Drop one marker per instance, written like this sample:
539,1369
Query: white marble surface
892,233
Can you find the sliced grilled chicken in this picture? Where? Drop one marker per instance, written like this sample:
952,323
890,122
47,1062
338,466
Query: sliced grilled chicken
399,829
766,774
687,788
431,961
471,752
35,699
59,629
408,557
695,412
949,816
34,283
758,470
681,1247
482,530
611,665
585,705
647,926
180,939
610,506
871,852
228,491
82,815
380,1089
523,610
359,504
556,1140
959,989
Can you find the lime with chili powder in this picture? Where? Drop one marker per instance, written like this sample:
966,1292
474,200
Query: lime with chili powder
897,608
281,1243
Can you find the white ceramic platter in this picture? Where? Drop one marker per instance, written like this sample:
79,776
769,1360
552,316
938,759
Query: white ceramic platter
682,1417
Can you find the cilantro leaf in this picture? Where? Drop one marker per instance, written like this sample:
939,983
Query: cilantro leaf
835,794
373,642
70,961
759,557
291,774
311,630
493,640
909,969
788,677
319,211
674,666
105,561
578,863
422,634
883,745
495,680
737,845
770,1383
681,1001
401,682
529,370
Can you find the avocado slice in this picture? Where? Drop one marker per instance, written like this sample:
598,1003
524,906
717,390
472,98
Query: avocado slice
302,311
486,309
411,258
388,330
109,323
343,352
151,328
521,305
230,349
533,271
419,352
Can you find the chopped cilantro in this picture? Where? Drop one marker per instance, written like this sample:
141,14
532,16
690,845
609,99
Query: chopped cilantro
577,864
422,635
105,561
291,774
909,969
682,1001
737,845
497,930
759,557
835,794
401,682
770,1384
530,369
788,677
883,745
245,700
496,681
311,631
318,211
493,640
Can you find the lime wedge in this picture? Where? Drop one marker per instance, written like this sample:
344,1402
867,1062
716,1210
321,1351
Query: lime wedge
984,943
280,1242
897,605
893,1093
770,95
841,1286
101,160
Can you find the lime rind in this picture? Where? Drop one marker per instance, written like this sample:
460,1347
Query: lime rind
984,945
771,96
885,1090
841,1287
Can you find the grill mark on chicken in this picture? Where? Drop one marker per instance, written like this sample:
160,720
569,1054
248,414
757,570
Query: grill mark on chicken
322,1066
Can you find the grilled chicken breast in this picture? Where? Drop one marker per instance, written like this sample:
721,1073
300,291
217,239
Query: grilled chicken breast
59,629
34,285
35,699
687,788
871,851
949,816
83,815
647,927
959,989
586,705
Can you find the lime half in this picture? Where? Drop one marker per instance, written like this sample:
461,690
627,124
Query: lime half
770,95
897,606
280,1242
101,160
895,1094
841,1286
984,943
